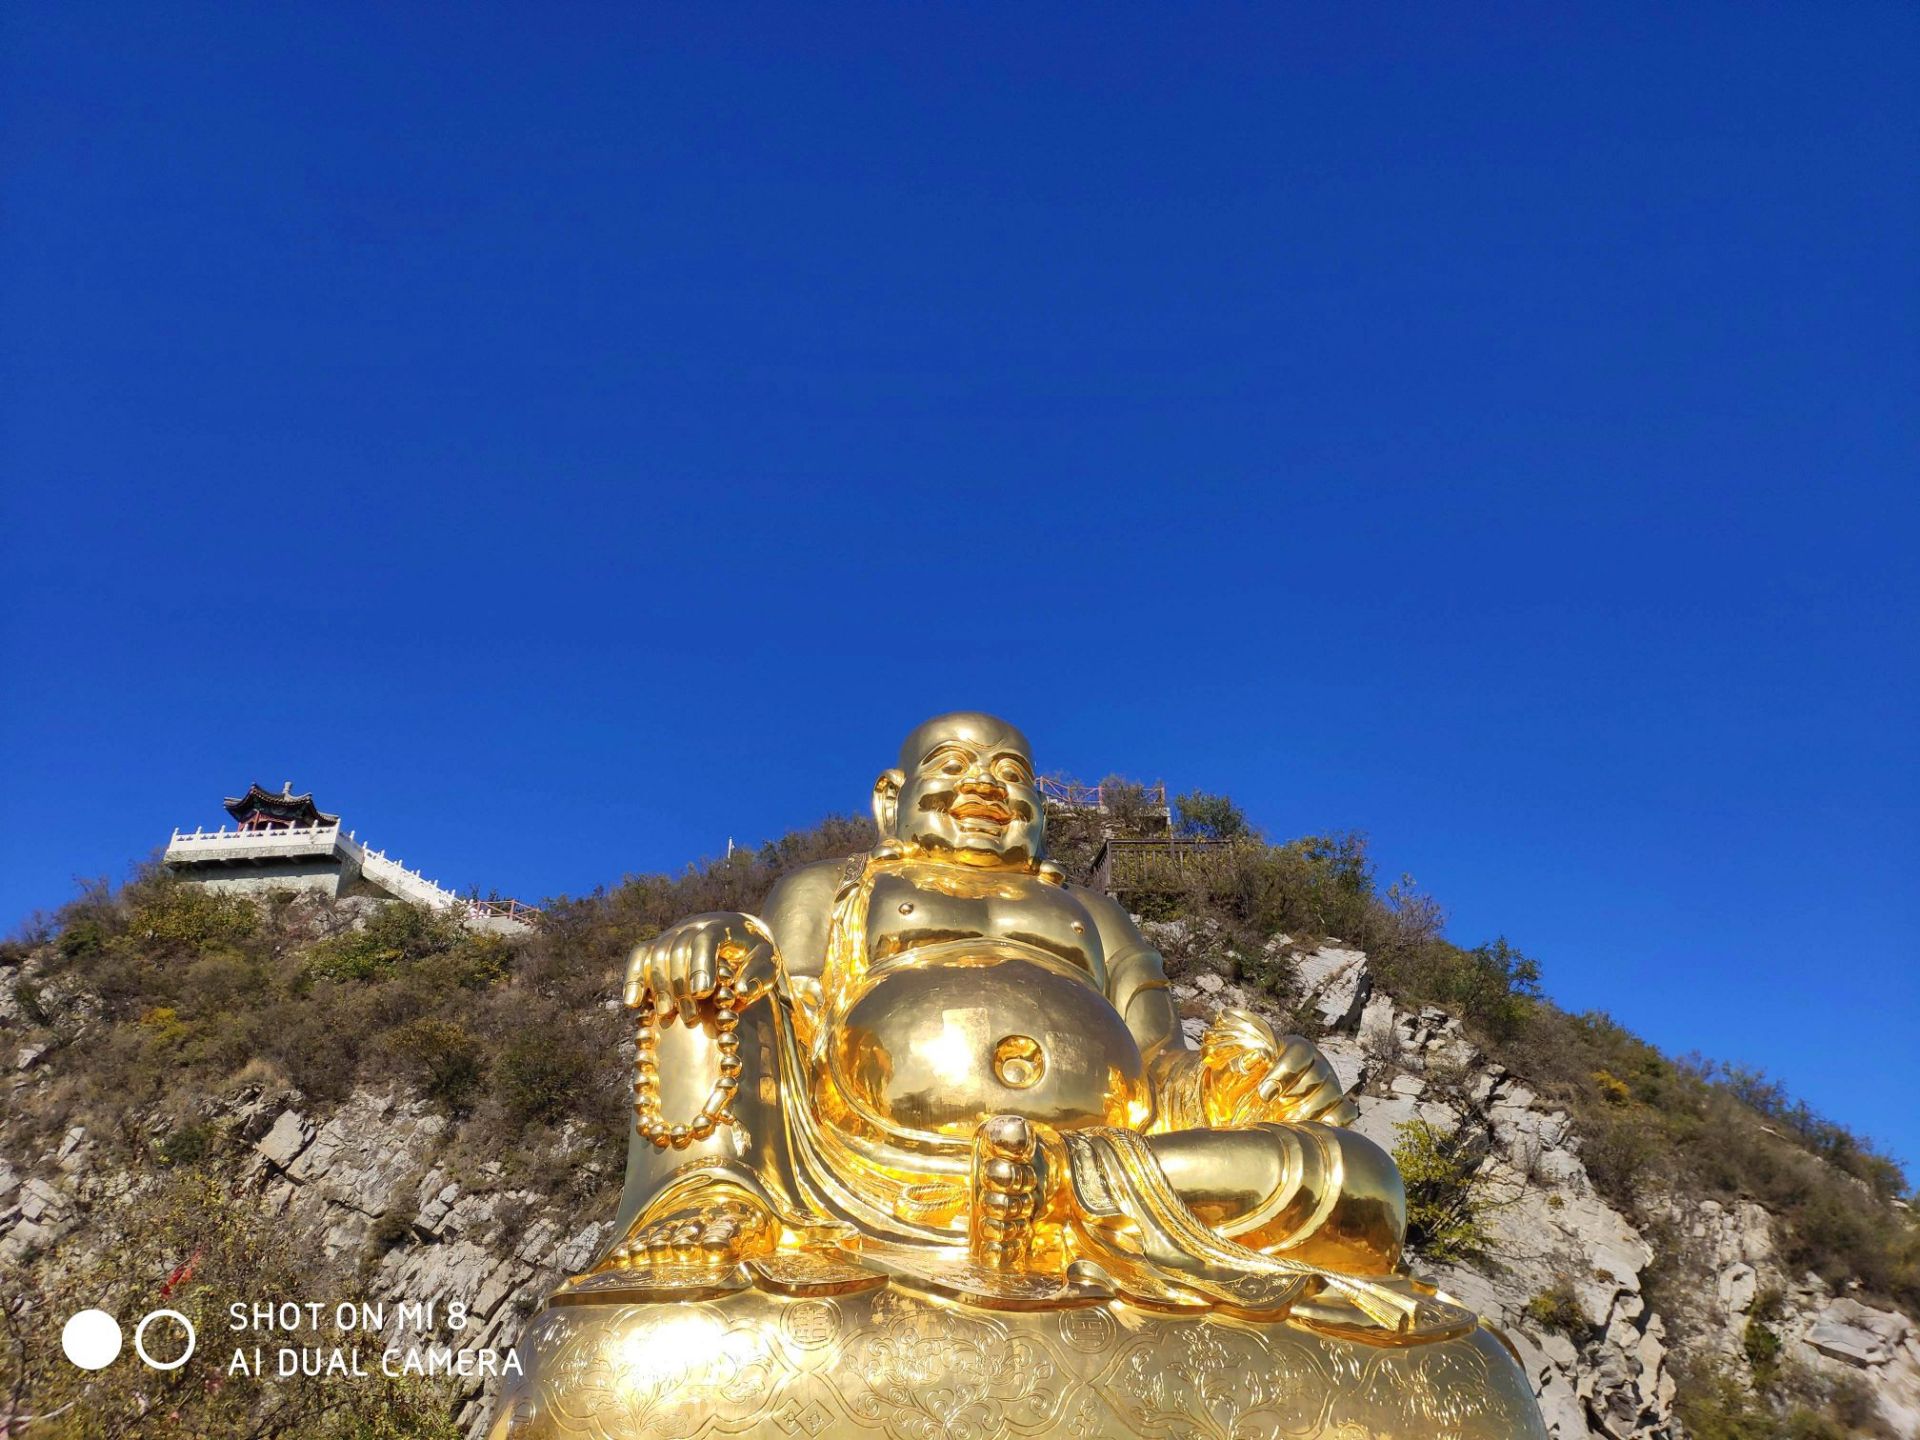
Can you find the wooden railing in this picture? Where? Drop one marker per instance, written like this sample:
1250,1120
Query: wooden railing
1157,866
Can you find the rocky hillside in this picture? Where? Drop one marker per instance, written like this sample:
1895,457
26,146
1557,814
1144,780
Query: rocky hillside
214,1101
1613,1312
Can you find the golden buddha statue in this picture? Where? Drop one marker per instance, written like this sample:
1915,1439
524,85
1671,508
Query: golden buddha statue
946,1164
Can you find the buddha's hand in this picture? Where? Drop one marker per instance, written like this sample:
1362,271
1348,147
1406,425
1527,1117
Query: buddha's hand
1253,1075
685,963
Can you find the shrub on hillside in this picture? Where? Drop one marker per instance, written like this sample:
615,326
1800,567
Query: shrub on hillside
393,935
1125,804
1832,1142
187,1145
1714,1403
449,1061
1308,888
542,1076
191,917
1492,987
1760,1342
1621,1153
1324,886
1446,1197
1557,1309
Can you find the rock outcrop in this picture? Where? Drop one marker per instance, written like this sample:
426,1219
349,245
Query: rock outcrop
1733,1280
378,1157
368,1179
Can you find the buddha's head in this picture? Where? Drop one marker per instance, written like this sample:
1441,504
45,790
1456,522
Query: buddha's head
964,788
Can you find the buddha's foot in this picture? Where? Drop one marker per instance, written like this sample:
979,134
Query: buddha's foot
707,1230
1005,1193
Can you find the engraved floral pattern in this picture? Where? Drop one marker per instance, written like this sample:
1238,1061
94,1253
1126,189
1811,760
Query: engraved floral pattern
635,1379
1217,1379
930,1372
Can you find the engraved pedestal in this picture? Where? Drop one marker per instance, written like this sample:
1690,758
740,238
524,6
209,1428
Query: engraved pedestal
604,1363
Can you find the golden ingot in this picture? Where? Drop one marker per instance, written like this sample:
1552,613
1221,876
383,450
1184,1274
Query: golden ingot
951,1167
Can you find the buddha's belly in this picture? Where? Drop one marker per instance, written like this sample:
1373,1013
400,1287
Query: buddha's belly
933,1048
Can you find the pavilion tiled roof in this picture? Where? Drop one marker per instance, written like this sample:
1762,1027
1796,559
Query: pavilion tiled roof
282,804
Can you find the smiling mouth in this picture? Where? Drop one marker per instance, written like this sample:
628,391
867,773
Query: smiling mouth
982,810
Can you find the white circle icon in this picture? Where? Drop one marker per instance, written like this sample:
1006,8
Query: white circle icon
91,1339
140,1336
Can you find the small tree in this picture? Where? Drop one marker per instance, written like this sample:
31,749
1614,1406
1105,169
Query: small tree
1212,817
1124,805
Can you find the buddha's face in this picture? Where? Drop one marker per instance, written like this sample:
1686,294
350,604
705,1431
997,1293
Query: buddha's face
965,788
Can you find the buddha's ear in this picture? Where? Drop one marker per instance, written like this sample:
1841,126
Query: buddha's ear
886,800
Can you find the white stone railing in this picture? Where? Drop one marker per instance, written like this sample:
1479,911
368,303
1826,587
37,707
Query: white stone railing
254,837
224,845
376,865
412,885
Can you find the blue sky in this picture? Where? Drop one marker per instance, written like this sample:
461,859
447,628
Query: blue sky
564,438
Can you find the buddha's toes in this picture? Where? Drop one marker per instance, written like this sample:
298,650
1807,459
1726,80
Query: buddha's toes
706,1231
1005,1192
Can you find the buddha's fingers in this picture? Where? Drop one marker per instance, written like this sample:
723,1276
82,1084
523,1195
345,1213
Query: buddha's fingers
1005,1192
634,993
1302,1084
1238,1040
700,981
679,991
1342,1112
1299,1063
1305,1099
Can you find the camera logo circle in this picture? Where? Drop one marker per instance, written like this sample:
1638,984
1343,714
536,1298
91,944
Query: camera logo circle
140,1335
91,1339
